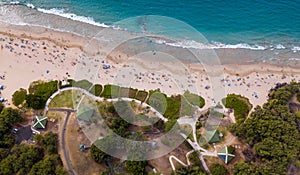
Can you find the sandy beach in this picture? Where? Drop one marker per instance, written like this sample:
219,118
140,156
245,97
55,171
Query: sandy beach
34,53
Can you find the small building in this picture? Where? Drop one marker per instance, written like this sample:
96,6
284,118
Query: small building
85,113
1,87
40,122
2,99
212,136
225,155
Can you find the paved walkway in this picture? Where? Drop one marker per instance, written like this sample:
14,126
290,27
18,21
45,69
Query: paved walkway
190,120
101,99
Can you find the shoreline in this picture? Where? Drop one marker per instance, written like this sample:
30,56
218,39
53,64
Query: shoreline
64,55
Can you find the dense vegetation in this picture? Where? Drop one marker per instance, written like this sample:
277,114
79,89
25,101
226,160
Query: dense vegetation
98,155
110,91
239,104
83,84
273,132
218,169
19,96
39,92
195,170
96,90
136,167
8,118
37,159
194,99
49,142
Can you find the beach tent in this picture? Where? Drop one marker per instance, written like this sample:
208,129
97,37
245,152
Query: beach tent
85,113
106,66
212,136
40,122
225,156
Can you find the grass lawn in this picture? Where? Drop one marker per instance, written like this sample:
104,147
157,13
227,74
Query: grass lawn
64,99
110,91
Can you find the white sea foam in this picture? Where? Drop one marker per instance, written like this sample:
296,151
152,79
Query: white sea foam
190,44
294,59
30,5
279,46
60,12
14,2
295,49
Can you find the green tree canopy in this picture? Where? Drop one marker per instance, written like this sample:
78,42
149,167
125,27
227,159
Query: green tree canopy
19,96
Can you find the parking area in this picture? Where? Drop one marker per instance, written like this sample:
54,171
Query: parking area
23,133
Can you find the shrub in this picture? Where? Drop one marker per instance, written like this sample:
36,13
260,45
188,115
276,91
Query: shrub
241,106
19,97
194,99
96,89
110,91
141,95
218,169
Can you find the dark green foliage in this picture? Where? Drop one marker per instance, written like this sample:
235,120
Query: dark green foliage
98,155
141,95
158,101
1,107
111,91
8,118
231,149
49,141
218,169
136,167
39,93
22,158
198,125
243,168
4,152
274,134
170,124
298,97
35,101
168,106
49,165
241,106
96,89
175,106
120,127
19,96
195,170
45,89
194,99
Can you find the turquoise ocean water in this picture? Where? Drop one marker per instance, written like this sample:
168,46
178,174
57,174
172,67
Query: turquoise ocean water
249,24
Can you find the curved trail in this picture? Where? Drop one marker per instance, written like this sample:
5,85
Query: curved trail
191,121
101,99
